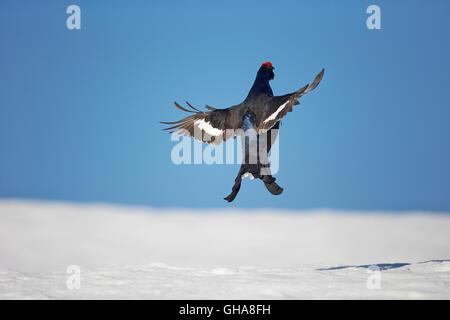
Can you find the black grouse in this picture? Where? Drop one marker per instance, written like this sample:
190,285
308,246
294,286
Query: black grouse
256,120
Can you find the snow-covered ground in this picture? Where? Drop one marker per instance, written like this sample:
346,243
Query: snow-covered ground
142,253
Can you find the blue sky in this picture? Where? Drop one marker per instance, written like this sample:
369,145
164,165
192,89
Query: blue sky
79,109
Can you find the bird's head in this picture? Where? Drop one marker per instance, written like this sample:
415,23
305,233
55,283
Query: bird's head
267,70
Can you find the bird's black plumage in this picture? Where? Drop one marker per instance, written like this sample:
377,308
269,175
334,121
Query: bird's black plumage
256,120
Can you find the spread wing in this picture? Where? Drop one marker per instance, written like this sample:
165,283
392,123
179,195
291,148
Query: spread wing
213,126
279,106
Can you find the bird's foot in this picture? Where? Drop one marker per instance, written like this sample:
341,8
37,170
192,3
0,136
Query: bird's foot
234,191
271,185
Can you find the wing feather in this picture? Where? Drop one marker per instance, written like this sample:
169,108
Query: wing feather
213,127
279,106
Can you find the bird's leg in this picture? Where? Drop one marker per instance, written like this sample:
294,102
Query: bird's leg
236,188
255,162
248,166
264,166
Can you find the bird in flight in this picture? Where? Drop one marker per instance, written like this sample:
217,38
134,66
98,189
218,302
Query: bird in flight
256,120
